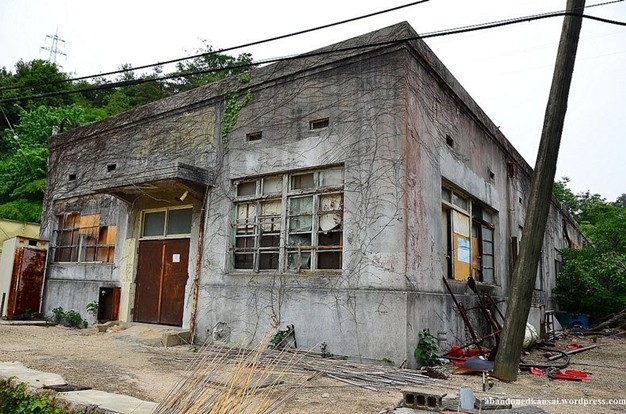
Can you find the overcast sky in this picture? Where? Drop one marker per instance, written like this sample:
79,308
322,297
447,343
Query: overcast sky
506,70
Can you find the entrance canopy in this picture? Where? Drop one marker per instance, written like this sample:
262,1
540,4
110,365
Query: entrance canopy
164,182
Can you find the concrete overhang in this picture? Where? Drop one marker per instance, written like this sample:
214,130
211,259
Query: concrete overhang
166,183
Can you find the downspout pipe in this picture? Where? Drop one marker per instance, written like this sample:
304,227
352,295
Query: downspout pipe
196,278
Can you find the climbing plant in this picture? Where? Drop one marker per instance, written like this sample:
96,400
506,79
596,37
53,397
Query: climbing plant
427,349
234,104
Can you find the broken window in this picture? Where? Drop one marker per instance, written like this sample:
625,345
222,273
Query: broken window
311,207
468,237
82,238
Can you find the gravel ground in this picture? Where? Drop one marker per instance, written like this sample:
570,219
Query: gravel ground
124,361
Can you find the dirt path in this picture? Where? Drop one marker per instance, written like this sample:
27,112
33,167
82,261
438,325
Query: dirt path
121,362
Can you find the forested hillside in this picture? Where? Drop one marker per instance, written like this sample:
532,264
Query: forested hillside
37,96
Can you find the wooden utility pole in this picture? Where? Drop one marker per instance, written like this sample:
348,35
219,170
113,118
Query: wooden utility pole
525,271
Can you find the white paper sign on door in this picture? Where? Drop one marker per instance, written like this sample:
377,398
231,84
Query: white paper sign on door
176,258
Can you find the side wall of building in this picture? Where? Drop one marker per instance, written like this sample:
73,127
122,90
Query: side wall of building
452,145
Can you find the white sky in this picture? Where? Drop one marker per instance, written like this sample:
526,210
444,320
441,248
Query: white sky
507,70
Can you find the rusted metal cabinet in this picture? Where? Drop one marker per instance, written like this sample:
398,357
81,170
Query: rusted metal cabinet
22,273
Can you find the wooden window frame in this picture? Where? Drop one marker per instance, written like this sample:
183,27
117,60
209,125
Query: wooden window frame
456,216
291,255
165,234
81,238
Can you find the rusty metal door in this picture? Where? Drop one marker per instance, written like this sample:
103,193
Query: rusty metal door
161,279
27,281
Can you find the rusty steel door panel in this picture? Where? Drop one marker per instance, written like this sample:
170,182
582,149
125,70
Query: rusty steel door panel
175,276
26,281
161,278
148,289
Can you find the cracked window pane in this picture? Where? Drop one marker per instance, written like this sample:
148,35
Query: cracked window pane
270,216
300,205
300,239
299,260
302,223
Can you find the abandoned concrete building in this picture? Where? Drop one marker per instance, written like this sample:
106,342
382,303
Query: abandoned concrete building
333,192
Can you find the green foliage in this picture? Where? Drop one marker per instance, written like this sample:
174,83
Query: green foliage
21,210
92,308
388,361
233,105
23,166
282,338
15,400
592,280
427,350
69,318
324,353
57,314
26,128
216,66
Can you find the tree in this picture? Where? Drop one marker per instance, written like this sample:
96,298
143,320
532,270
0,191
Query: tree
23,168
593,279
216,66
26,127
32,78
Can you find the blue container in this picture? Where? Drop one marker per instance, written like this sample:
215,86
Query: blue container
569,320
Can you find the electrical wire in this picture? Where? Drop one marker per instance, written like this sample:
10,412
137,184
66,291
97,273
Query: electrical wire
447,32
271,39
228,49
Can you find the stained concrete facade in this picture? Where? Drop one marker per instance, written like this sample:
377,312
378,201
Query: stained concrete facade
389,120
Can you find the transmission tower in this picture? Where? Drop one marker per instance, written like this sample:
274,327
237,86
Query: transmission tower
54,48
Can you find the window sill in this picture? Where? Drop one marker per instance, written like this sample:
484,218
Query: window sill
81,263
312,273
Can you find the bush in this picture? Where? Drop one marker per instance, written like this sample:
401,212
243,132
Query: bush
70,318
427,350
591,282
15,400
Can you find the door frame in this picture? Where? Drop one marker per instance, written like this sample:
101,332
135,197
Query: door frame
139,232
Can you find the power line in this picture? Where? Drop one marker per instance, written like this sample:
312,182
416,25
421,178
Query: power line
271,39
228,49
447,32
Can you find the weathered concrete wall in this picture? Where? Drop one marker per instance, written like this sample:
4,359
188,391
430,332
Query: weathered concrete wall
73,285
390,110
352,310
449,139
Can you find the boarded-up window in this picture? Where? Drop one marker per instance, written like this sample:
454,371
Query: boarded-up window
468,238
82,238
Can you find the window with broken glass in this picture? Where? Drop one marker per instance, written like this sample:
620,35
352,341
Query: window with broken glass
82,238
468,237
290,222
